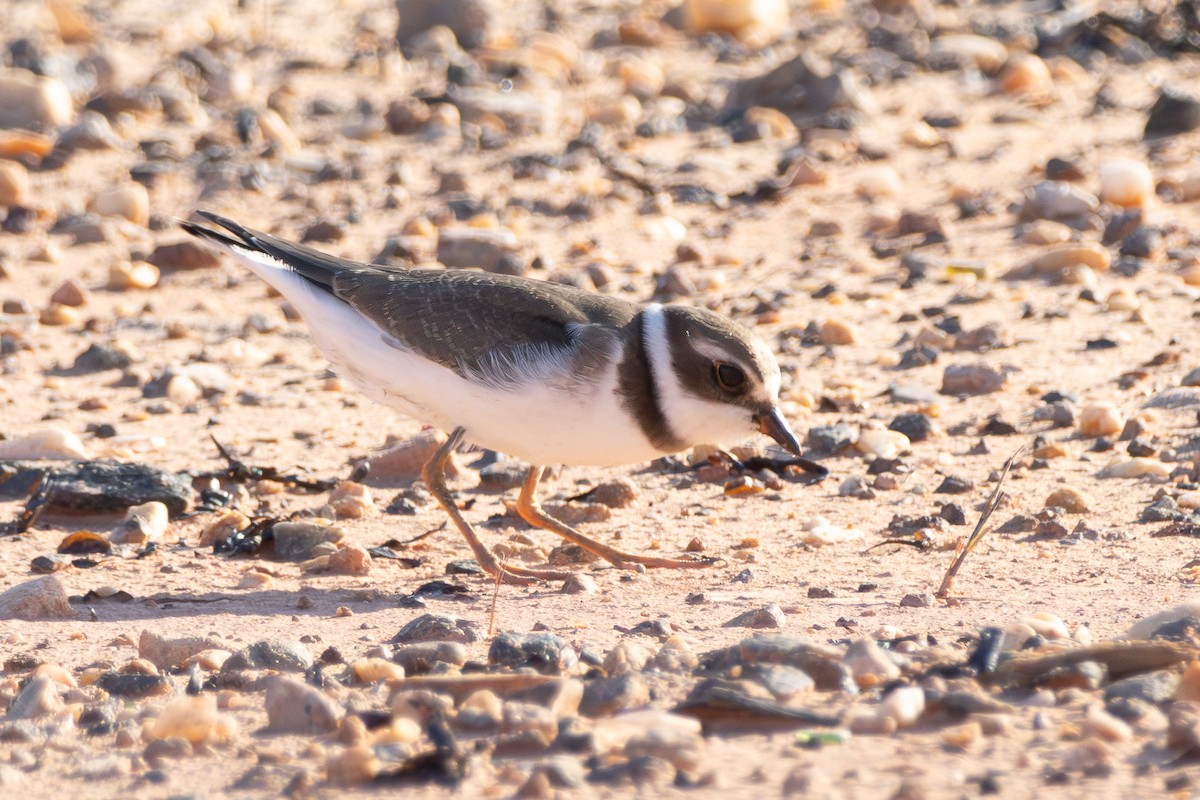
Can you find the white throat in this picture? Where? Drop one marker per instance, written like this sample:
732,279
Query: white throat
691,419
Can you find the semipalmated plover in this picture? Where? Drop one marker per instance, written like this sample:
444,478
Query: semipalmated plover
548,373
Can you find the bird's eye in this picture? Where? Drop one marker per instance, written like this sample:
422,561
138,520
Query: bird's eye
729,377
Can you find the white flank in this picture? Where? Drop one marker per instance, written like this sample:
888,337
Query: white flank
693,419
544,416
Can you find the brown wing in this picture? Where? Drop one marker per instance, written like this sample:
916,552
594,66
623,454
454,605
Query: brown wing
482,323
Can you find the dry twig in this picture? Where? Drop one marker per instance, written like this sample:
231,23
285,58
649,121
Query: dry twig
993,502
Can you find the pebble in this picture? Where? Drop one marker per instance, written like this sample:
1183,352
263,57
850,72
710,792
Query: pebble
57,314
471,21
131,202
1058,200
1046,232
618,492
1054,260
1136,468
1026,74
171,653
402,462
579,583
40,598
604,697
676,656
91,132
142,524
904,705
1047,625
544,652
350,500
885,444
1099,722
301,541
489,249
293,706
836,332
348,559
869,664
125,275
972,379
282,656
1100,419
184,255
770,616
436,628
224,525
754,22
1173,112
1069,499
192,718
32,102
988,55
14,184
417,659
1126,183
38,699
70,293
47,444
183,391
627,656
369,670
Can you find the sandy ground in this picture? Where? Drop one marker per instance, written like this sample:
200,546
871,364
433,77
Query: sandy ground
759,261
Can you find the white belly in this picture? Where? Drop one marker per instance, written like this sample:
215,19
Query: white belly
539,423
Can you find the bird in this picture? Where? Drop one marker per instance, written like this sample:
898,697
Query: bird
544,372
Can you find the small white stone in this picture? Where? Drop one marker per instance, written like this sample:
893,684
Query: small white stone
1125,182
31,101
49,443
193,718
1136,468
142,524
879,443
754,22
904,705
182,390
1099,722
1101,419
1122,299
131,202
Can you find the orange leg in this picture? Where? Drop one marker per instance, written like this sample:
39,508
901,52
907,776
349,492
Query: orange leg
531,510
434,474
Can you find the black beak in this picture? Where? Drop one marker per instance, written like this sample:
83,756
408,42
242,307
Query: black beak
772,423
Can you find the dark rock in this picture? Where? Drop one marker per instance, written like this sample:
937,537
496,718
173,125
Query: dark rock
917,427
771,616
544,652
953,484
120,684
500,476
99,358
434,628
604,697
299,541
953,513
423,657
1173,112
277,655
801,85
96,487
1152,687
829,439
